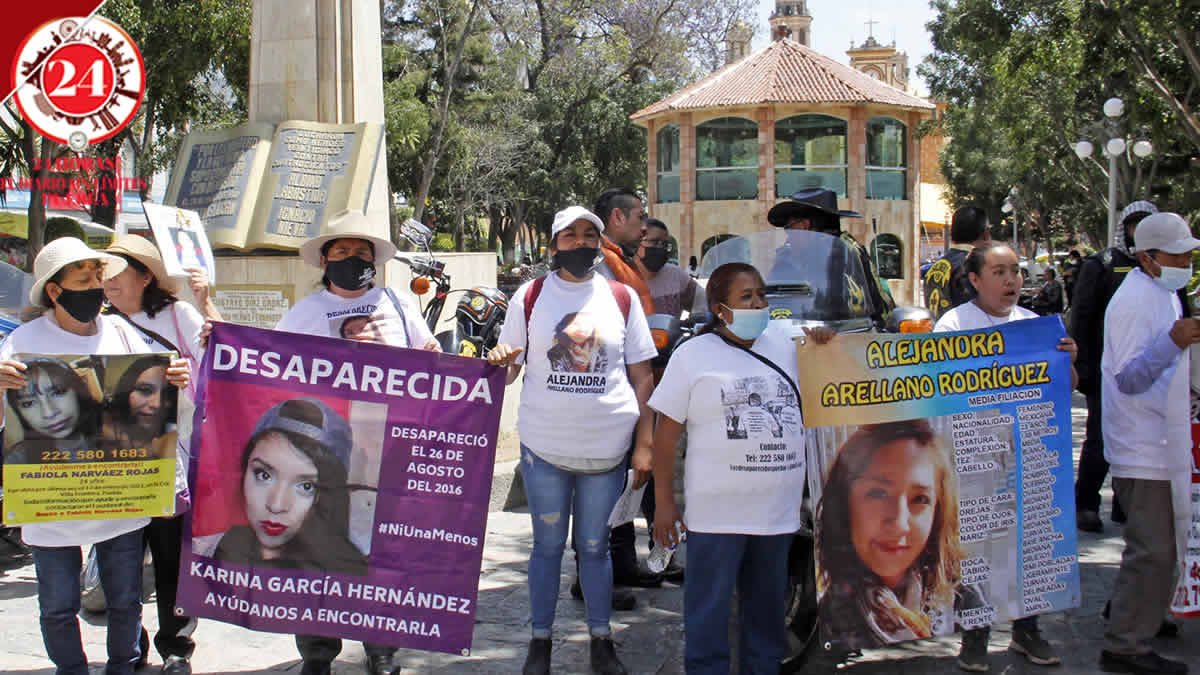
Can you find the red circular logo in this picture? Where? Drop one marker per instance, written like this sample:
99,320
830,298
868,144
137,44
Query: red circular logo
80,80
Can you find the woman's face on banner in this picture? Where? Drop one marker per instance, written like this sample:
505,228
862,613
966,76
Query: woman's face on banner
892,504
48,407
146,399
280,487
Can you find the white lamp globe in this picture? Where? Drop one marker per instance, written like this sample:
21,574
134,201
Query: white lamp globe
1143,148
1083,149
1007,207
1114,107
1115,146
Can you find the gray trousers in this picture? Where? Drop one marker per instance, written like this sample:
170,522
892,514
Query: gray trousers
1146,581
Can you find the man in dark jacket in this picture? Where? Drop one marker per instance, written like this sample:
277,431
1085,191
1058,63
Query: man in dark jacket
1098,279
946,283
1049,298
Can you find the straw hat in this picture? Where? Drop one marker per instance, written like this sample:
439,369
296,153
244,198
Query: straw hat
347,225
144,251
62,252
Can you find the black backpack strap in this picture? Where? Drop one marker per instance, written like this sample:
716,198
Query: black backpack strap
770,364
109,309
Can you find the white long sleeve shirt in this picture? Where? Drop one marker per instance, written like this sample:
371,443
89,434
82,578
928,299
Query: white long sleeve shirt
1147,431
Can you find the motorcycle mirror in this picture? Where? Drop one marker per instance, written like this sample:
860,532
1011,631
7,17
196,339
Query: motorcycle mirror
419,285
416,233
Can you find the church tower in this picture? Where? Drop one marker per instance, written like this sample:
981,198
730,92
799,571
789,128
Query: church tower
737,42
791,20
882,62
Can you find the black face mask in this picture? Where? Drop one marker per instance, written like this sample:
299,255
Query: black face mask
654,258
351,274
578,261
83,306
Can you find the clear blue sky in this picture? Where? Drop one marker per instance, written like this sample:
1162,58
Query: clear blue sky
837,22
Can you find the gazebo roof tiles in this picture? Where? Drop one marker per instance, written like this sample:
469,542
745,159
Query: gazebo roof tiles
784,71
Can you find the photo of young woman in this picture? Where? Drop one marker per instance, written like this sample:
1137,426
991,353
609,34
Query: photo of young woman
142,413
55,410
888,553
294,471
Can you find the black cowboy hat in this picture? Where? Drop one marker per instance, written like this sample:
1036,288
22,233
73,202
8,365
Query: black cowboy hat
805,202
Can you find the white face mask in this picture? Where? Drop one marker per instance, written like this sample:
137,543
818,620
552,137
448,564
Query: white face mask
1173,278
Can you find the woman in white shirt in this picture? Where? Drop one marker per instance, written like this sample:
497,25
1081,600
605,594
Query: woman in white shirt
351,306
145,294
734,387
995,272
68,285
588,350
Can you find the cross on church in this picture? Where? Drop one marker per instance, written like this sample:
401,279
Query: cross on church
870,23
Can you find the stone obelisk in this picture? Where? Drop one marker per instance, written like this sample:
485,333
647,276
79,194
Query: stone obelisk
321,61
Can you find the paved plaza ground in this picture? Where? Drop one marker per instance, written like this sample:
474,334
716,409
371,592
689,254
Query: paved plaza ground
649,639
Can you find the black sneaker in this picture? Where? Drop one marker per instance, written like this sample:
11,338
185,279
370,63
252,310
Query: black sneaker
1034,647
674,572
176,665
622,600
1148,663
973,655
537,662
381,664
638,577
604,658
1089,521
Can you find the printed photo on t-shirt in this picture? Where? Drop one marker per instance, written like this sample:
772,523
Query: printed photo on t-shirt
760,407
578,346
367,326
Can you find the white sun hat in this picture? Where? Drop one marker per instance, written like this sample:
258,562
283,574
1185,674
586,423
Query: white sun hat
347,225
62,252
563,219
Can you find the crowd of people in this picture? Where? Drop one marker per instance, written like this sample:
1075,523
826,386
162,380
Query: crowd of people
610,271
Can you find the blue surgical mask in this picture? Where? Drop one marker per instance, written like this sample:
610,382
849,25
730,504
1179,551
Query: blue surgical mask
1173,278
748,324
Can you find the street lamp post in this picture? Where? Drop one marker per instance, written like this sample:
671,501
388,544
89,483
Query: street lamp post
1114,148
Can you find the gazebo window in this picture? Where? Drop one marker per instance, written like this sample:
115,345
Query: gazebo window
887,159
888,253
727,159
668,163
810,152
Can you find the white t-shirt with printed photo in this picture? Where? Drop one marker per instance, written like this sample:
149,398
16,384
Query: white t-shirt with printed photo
576,399
43,335
745,434
968,316
371,317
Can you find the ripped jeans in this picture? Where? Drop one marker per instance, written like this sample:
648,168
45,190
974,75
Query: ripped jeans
553,494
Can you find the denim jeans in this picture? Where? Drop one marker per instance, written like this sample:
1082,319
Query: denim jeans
553,495
757,565
120,560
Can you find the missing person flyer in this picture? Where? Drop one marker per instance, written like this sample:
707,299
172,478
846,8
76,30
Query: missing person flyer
90,438
340,488
943,480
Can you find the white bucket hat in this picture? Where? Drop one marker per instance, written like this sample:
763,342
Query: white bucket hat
347,225
62,252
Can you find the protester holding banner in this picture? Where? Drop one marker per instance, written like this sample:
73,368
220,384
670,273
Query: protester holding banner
995,273
144,293
576,426
733,386
347,253
68,284
1147,438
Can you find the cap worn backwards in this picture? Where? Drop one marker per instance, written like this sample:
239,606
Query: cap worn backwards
334,434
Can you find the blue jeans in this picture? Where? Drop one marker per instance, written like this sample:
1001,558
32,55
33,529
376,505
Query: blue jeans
120,560
553,495
758,567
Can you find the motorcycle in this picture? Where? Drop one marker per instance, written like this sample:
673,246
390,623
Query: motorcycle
479,313
812,279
